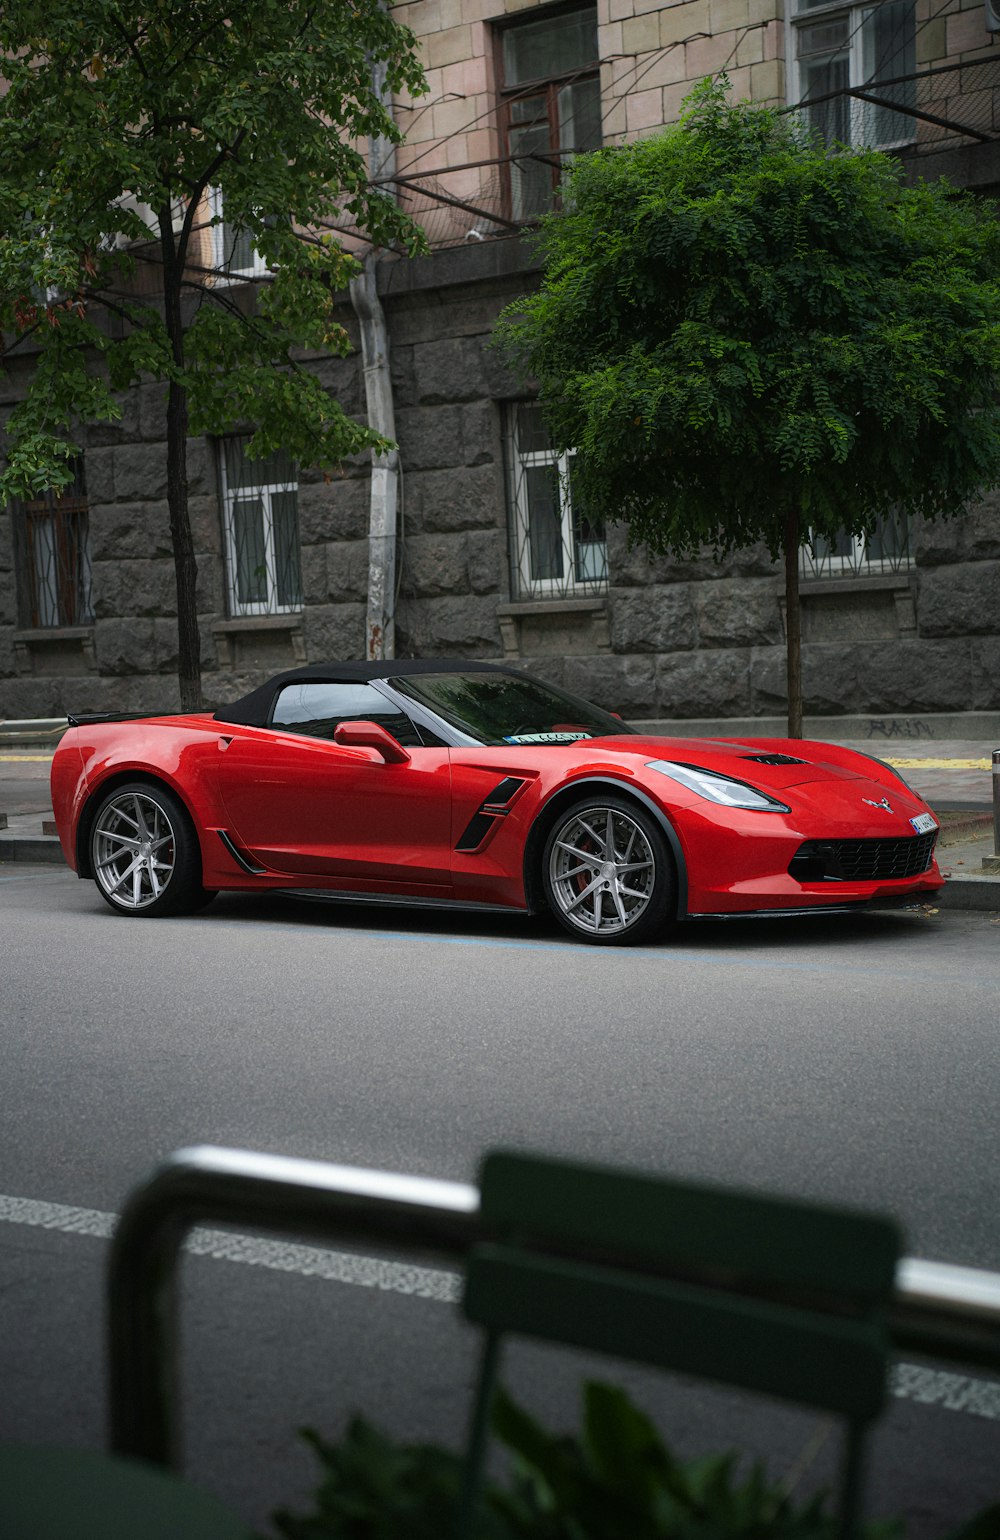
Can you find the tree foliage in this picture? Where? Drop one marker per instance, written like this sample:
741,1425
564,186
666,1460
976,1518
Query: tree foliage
118,119
749,336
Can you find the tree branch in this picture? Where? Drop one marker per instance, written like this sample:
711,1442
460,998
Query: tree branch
200,187
130,44
195,43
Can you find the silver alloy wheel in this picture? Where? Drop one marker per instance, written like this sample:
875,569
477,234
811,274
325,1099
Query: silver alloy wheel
134,850
602,870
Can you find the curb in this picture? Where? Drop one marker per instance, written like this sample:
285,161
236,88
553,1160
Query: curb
959,827
32,847
969,893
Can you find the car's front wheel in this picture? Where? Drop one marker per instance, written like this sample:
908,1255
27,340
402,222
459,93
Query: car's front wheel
608,873
144,852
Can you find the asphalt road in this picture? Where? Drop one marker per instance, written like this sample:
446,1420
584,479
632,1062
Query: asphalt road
854,1060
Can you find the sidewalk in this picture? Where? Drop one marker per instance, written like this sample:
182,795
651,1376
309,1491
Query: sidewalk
952,775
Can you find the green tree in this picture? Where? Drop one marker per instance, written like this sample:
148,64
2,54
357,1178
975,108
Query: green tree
123,119
750,337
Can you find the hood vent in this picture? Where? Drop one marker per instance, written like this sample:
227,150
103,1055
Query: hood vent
774,759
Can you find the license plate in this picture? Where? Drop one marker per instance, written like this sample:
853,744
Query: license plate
924,823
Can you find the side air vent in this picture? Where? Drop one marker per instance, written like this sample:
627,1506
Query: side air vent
475,831
243,861
775,759
501,795
489,811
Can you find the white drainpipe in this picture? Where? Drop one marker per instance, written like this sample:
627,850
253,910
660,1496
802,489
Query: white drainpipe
380,628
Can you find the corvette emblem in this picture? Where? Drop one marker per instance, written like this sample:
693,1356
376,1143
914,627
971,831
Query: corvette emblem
884,804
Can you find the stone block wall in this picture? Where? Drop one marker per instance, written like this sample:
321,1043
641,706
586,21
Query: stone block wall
672,638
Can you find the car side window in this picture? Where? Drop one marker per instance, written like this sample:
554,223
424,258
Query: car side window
316,709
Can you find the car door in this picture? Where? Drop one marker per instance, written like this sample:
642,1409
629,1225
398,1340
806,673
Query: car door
302,804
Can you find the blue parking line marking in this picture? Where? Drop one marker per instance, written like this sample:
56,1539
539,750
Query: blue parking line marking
674,955
35,877
660,954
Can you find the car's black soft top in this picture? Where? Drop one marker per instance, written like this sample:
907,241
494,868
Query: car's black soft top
254,710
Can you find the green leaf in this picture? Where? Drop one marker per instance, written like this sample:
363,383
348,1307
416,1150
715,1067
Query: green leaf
623,1447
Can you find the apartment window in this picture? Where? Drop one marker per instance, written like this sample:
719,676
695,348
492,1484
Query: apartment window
550,101
885,551
52,546
838,48
557,550
234,255
260,519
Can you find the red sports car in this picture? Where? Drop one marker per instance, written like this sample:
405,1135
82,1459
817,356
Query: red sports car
473,784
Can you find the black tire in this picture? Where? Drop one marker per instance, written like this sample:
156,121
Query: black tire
620,897
144,852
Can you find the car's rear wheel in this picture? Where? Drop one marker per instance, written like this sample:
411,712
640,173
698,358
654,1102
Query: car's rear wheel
144,852
608,873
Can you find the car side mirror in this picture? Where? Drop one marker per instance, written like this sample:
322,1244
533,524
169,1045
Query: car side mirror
368,735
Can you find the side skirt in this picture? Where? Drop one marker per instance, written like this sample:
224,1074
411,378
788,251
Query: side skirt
396,901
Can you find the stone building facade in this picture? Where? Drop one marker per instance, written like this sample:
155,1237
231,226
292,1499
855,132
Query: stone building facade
492,560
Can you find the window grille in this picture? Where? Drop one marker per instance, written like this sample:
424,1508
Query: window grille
843,48
557,550
885,551
234,255
549,99
52,551
260,518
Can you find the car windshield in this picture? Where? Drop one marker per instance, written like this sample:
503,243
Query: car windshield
509,708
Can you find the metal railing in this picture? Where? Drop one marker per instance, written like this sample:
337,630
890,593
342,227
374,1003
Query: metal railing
938,1309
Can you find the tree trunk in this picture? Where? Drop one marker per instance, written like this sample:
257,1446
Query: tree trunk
793,623
185,566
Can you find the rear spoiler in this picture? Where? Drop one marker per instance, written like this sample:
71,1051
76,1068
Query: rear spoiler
85,719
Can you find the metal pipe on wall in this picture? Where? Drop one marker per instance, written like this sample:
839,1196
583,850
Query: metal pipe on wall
380,623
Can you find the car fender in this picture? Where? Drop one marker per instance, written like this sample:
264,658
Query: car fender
106,767
569,792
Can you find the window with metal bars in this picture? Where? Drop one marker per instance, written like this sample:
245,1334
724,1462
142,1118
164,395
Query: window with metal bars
549,100
557,549
885,550
234,255
52,552
862,47
260,519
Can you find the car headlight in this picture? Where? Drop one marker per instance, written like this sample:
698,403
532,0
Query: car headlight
718,788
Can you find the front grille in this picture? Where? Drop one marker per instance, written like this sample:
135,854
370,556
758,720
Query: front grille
862,860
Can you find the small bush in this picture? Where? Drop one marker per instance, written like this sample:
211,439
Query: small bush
617,1480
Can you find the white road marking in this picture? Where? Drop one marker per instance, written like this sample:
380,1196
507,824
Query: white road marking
954,1392
334,1266
252,1250
910,1382
56,1216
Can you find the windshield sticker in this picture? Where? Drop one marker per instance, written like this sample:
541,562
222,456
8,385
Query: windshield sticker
546,737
